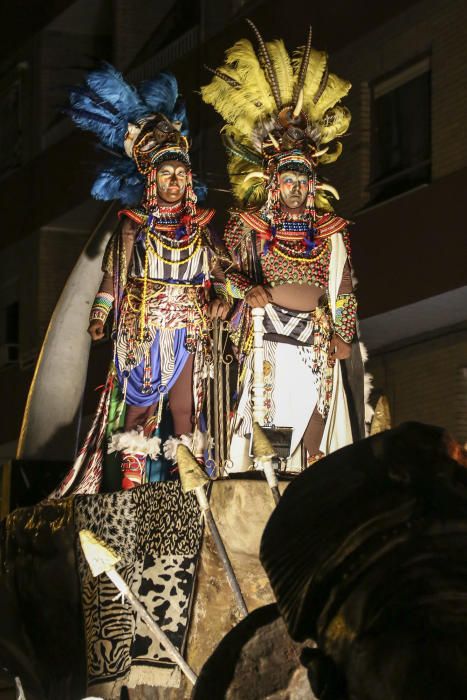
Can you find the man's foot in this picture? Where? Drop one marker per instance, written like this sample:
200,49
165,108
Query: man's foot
133,468
128,484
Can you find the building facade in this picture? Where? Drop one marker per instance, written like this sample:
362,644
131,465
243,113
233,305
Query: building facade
400,177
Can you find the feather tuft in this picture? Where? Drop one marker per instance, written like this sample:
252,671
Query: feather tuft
109,84
119,179
282,68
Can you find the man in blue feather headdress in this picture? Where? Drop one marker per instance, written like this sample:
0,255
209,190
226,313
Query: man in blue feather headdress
157,269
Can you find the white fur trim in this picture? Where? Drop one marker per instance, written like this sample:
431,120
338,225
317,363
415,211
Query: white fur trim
170,448
367,388
154,447
135,442
196,442
363,352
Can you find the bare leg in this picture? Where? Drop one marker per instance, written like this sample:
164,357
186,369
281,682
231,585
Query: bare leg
313,434
181,404
138,415
181,400
181,407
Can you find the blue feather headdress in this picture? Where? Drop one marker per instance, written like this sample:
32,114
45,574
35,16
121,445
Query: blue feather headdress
107,105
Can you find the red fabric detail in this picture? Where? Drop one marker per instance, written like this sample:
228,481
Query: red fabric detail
328,224
128,484
139,218
254,221
204,216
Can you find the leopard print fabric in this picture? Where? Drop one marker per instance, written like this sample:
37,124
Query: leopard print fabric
157,531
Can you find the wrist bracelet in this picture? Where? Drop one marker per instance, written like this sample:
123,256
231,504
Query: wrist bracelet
101,307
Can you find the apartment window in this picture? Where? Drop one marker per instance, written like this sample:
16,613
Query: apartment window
401,131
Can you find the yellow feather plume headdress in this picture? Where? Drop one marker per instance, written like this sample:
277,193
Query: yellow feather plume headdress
274,104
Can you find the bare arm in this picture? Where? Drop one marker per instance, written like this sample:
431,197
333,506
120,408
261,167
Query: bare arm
239,283
104,297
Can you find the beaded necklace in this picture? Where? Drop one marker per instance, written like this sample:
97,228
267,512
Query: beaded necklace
286,264
169,217
195,245
294,255
173,244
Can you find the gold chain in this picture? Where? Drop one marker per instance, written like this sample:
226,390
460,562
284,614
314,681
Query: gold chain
167,246
177,262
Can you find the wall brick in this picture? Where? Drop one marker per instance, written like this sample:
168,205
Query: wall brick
427,27
426,381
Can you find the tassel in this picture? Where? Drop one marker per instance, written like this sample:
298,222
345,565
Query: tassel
270,241
309,241
183,232
142,319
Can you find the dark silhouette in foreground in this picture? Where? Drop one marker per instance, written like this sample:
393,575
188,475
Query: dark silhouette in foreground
367,556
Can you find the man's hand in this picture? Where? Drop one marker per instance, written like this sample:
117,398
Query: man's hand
218,308
258,297
96,330
338,350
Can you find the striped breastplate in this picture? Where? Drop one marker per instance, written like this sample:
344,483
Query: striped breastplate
185,260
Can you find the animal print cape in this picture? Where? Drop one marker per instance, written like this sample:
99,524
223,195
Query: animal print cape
157,531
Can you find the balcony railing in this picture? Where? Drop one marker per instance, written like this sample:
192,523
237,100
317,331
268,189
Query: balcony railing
166,56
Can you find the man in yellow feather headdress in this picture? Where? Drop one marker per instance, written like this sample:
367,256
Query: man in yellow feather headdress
291,251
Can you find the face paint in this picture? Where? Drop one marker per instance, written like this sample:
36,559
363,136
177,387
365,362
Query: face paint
293,187
171,181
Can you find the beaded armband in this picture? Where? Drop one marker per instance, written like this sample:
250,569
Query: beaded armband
346,316
238,285
220,289
101,307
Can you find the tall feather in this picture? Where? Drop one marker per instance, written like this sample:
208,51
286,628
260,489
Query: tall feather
160,94
303,68
109,84
335,123
246,106
322,85
282,69
235,149
316,65
266,65
336,88
119,179
92,114
215,71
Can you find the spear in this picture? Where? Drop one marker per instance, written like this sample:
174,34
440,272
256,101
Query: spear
263,453
102,559
193,478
